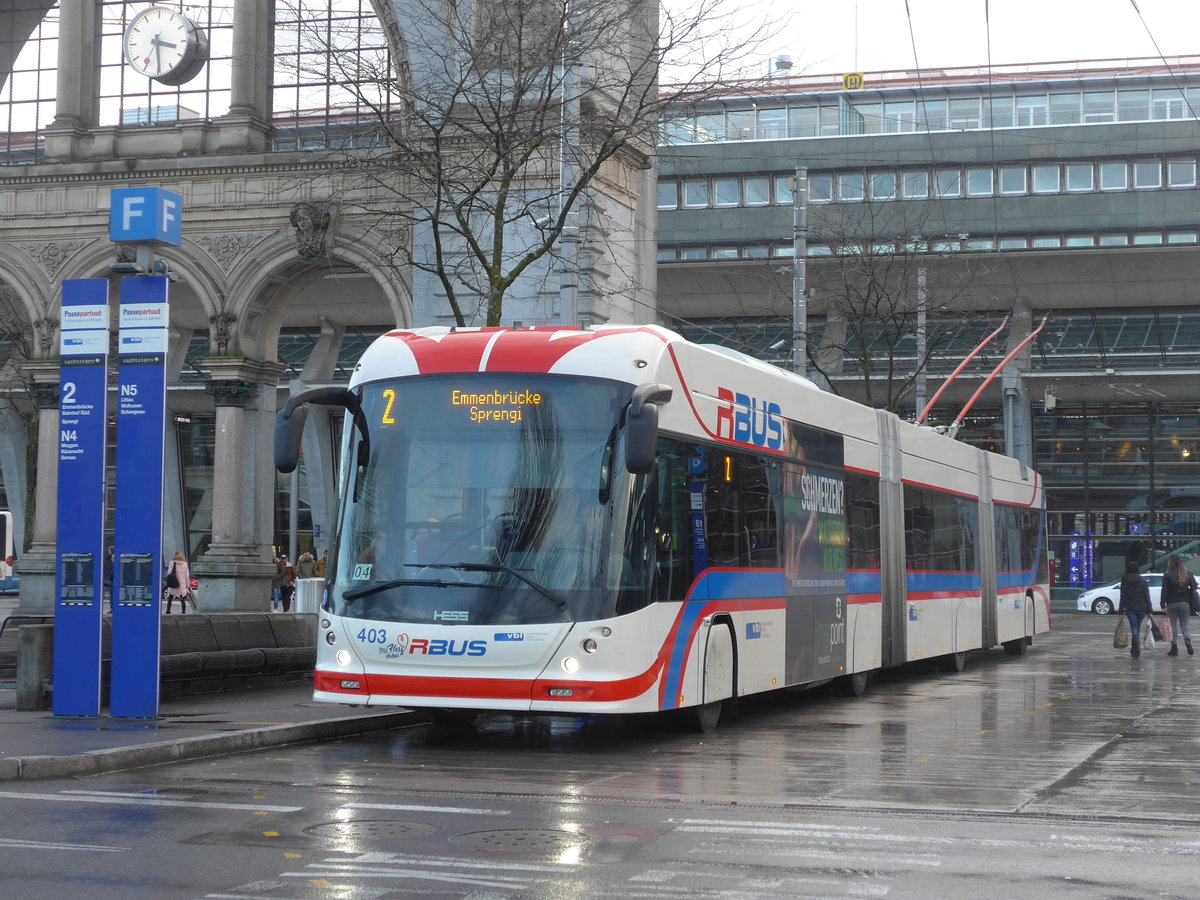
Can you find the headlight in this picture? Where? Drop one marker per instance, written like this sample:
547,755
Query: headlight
570,665
589,645
343,657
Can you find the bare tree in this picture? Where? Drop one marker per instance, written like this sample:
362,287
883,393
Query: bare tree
883,329
491,120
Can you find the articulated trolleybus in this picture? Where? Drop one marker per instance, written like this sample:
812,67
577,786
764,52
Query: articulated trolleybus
617,520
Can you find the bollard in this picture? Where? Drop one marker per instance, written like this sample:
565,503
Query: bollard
35,665
309,593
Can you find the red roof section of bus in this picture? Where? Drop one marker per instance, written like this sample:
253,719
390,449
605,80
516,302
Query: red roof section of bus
497,349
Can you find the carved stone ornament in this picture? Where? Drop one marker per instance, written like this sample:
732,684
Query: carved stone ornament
226,248
52,254
220,332
231,393
311,222
46,332
45,396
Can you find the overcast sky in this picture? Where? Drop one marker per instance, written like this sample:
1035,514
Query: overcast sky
819,35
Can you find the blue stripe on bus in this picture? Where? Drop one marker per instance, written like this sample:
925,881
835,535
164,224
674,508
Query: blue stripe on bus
921,582
683,639
737,584
734,584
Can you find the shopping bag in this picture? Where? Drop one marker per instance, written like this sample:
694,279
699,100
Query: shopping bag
1121,635
1155,630
1167,633
1194,603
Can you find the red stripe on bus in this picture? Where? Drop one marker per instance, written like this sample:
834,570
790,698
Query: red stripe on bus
870,472
523,689
916,596
858,599
940,490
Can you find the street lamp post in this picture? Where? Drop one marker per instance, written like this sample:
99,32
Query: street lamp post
799,275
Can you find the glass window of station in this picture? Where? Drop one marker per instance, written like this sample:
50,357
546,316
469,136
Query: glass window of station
889,111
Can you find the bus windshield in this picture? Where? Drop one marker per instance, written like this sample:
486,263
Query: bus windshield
483,499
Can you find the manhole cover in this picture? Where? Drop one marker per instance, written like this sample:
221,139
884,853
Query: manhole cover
370,830
521,839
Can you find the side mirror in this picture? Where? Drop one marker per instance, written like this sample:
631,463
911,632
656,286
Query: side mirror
641,437
289,421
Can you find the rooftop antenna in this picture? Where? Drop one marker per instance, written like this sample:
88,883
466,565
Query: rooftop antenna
855,35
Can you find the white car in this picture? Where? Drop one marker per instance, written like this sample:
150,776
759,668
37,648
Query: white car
1107,599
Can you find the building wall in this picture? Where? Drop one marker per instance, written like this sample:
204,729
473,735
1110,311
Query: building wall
1091,363
276,245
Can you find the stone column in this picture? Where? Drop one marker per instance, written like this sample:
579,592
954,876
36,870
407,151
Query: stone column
37,564
14,448
236,569
76,106
245,128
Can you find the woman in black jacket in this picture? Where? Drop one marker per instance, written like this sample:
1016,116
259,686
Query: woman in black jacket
1135,604
1177,588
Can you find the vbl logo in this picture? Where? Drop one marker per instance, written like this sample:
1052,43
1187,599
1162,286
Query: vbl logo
749,420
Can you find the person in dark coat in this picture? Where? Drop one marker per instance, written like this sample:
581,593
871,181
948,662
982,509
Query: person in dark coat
1178,585
1135,604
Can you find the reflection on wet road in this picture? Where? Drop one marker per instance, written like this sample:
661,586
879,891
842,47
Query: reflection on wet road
1065,773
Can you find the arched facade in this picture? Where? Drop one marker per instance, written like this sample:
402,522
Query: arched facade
282,278
266,250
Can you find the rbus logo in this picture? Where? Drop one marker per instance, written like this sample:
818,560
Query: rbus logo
749,420
439,647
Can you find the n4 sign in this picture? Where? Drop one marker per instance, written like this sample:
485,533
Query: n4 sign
749,420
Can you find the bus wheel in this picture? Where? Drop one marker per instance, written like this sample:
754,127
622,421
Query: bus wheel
853,685
955,662
718,678
1016,647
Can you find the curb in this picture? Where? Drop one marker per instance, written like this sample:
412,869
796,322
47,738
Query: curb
99,762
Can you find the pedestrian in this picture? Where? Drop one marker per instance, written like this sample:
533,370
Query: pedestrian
319,568
1135,604
278,580
289,584
1178,585
306,566
177,582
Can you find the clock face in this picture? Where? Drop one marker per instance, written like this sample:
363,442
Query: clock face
165,45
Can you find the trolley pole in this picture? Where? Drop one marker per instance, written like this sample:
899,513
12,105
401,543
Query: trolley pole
799,275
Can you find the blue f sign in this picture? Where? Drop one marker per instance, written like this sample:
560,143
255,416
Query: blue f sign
146,216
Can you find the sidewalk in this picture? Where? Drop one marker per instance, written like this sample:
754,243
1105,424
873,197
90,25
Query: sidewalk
40,745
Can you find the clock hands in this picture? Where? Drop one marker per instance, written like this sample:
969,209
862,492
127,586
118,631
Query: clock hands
158,43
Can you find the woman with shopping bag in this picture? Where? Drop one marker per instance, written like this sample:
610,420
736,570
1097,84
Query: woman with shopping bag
1178,587
175,586
1135,604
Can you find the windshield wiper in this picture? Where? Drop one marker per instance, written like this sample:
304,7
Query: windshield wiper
496,567
355,593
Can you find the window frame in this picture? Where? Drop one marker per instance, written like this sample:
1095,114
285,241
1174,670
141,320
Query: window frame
1045,169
